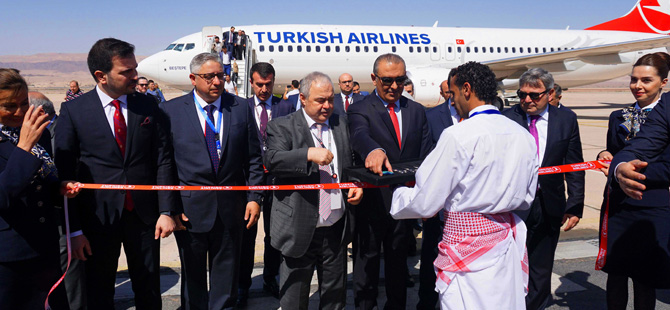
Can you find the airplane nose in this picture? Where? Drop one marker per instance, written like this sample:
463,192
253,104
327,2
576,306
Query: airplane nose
149,67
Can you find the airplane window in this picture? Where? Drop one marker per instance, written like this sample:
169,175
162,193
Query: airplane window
290,48
374,48
298,48
506,50
520,49
498,50
459,49
467,49
411,49
189,46
449,49
476,49
280,48
434,49
491,49
328,48
317,48
337,49
537,50
392,49
358,49
171,46
366,49
483,49
271,48
544,50
261,48
418,49
308,48
347,49
513,49
552,49
179,47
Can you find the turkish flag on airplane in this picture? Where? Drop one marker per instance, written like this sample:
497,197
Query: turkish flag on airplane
460,41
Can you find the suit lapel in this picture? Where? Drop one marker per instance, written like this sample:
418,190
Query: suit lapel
552,131
404,115
225,129
192,116
132,123
338,139
98,113
378,105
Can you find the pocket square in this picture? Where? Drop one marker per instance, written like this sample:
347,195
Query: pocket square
146,121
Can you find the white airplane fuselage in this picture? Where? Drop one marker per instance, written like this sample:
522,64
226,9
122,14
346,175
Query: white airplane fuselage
429,53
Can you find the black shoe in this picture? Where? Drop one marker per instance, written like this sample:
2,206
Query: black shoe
271,286
242,297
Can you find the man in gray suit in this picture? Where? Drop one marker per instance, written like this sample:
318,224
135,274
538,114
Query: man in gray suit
311,228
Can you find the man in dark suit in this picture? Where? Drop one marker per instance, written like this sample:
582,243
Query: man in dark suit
346,95
310,228
556,133
114,135
264,107
230,39
385,128
241,45
217,140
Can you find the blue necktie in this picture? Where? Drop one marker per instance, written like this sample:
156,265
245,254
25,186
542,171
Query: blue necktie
211,137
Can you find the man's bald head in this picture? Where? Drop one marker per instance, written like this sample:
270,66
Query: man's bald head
444,90
346,82
38,99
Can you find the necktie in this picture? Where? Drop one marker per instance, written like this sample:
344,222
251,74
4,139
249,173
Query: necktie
211,137
120,130
346,103
264,121
396,125
325,176
533,131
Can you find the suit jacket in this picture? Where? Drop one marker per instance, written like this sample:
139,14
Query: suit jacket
240,162
439,118
295,213
226,35
293,100
28,220
86,151
339,104
279,108
563,146
371,128
657,181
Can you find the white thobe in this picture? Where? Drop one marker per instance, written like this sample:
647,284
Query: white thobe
485,164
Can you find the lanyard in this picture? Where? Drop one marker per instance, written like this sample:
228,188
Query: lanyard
216,130
485,112
332,167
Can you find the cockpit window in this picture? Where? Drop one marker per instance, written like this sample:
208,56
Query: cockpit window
179,47
171,46
189,46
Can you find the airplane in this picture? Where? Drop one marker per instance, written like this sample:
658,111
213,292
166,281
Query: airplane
574,57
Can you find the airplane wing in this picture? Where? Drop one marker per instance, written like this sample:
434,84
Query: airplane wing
512,68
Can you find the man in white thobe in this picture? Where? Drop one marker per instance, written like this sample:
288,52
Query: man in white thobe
481,170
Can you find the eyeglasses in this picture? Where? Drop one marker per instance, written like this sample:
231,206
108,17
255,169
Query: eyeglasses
388,81
209,77
533,96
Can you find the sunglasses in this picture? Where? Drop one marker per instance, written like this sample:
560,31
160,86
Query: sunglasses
533,96
388,81
143,85
209,77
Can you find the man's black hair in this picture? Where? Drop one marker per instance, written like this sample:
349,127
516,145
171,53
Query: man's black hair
295,83
263,69
101,54
481,79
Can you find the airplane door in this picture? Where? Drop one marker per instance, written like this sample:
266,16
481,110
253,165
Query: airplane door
208,33
434,52
449,51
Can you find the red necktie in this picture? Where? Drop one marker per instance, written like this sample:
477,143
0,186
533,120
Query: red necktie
120,130
346,103
396,125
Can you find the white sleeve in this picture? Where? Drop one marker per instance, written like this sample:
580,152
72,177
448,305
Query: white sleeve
439,174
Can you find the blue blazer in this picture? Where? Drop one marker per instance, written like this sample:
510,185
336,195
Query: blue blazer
240,162
28,220
563,146
370,128
86,151
339,104
439,118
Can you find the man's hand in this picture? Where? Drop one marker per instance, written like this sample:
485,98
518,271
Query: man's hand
375,160
179,219
570,221
80,247
605,155
164,226
628,174
354,196
320,156
70,189
252,213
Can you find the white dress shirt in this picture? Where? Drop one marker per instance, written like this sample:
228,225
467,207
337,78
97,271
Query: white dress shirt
109,108
397,111
542,126
258,109
336,200
216,113
344,99
484,164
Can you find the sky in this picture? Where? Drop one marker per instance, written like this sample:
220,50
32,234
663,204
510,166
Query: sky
31,27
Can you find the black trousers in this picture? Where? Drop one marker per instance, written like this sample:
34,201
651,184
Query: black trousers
143,256
218,249
541,242
373,231
271,256
432,235
25,284
328,255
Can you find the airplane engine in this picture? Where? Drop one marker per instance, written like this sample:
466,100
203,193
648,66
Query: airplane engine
427,84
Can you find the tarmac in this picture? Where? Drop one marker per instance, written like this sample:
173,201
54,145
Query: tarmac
575,283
